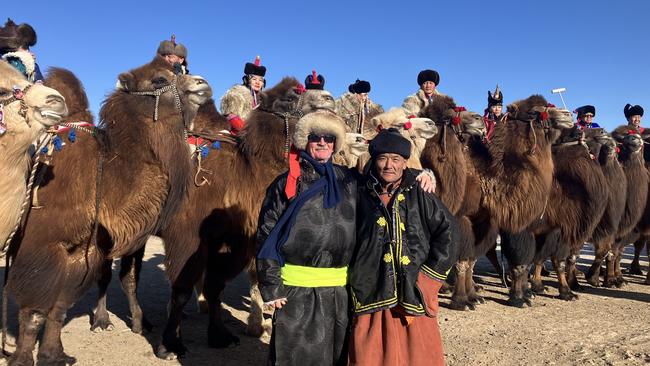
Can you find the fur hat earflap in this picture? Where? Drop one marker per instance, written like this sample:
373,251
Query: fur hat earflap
581,111
314,81
172,48
13,37
255,68
633,110
390,141
359,86
320,123
496,98
428,75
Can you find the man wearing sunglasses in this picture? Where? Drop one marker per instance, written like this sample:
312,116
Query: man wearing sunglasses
586,115
306,236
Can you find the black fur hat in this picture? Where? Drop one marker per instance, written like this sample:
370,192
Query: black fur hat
428,75
14,36
359,86
389,141
314,81
255,68
581,111
496,98
632,110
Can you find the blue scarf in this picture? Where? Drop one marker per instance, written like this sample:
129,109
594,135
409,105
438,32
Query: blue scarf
331,197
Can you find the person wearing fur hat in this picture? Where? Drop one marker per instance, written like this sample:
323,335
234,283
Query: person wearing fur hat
633,114
355,107
586,115
241,99
175,54
406,246
15,43
493,112
428,80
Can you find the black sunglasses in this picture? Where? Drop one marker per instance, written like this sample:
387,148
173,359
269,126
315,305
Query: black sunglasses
316,138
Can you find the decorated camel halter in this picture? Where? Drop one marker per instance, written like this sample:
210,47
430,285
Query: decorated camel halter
160,91
297,112
455,127
18,96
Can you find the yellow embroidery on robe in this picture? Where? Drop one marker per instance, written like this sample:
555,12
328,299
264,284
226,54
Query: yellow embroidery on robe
400,197
401,226
388,257
405,260
381,221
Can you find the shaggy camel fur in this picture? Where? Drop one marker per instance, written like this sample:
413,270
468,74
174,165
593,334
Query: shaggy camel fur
215,228
102,198
603,148
45,108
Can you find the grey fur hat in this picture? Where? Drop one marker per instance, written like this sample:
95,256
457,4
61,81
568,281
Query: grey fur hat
172,48
321,123
14,36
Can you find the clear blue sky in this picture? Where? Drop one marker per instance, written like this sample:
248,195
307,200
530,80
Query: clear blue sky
598,50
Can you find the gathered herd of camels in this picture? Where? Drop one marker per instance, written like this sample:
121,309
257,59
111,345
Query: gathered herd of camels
541,184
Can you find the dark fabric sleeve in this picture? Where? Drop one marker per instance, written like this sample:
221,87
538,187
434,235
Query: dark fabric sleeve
38,76
443,241
268,270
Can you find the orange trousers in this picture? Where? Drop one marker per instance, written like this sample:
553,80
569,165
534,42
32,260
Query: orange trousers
391,338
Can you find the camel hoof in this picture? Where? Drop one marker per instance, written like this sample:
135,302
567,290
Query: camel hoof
478,288
528,295
609,282
593,281
635,269
620,282
166,354
460,305
220,337
21,359
538,288
58,360
575,286
144,324
568,296
519,302
101,324
477,300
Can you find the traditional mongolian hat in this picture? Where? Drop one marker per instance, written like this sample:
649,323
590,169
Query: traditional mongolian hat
359,86
319,123
633,110
172,48
428,75
496,98
255,68
585,109
13,36
314,81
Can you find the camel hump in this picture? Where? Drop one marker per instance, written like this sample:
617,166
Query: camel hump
66,82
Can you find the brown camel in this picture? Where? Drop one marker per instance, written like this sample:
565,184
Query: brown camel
603,148
22,121
635,190
216,226
101,198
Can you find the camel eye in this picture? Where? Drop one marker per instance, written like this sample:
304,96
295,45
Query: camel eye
4,92
159,81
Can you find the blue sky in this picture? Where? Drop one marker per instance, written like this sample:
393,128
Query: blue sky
598,50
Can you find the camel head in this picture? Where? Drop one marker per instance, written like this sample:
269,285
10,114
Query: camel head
632,142
472,123
409,126
289,96
600,142
28,107
536,109
158,77
560,118
356,144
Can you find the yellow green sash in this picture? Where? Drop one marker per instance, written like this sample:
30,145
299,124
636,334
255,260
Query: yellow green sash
301,276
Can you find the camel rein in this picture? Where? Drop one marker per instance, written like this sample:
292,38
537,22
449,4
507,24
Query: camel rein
18,96
160,91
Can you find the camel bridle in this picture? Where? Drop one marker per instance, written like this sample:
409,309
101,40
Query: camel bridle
18,96
171,87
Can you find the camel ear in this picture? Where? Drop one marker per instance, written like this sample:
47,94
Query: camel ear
126,82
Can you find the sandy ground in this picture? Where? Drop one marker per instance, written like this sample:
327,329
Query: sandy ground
604,327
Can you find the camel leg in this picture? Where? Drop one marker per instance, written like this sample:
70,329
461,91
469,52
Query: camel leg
601,249
635,267
101,319
30,323
620,281
536,284
171,346
494,260
219,336
565,290
647,279
459,296
255,326
518,296
129,277
51,351
473,297
610,274
571,273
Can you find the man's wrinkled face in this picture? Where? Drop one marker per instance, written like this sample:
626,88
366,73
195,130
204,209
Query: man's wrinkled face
256,82
496,109
428,87
362,97
634,120
390,167
320,147
172,59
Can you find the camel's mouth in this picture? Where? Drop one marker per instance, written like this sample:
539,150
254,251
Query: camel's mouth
49,117
633,142
199,91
